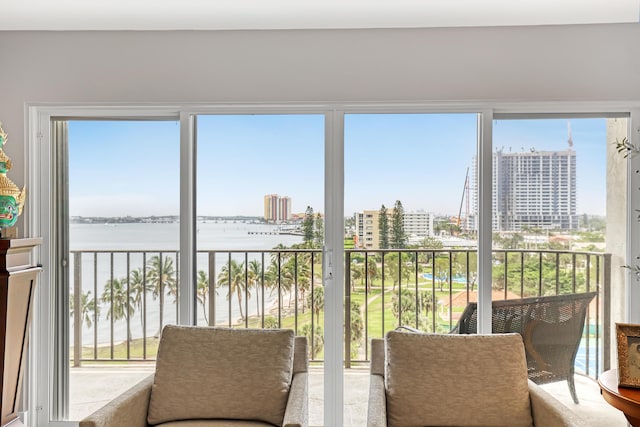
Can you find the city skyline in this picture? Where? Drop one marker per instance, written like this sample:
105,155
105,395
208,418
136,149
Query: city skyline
132,168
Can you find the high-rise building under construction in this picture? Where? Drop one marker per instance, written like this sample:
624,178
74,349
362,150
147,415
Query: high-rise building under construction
535,189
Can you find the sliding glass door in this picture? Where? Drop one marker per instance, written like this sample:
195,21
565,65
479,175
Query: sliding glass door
260,227
260,219
411,242
559,228
341,225
123,251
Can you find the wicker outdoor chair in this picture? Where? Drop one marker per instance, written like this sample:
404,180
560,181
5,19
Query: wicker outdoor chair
551,327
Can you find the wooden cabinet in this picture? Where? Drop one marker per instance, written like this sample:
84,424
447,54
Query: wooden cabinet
18,276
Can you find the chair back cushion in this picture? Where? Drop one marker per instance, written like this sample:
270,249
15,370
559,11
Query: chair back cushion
456,380
217,373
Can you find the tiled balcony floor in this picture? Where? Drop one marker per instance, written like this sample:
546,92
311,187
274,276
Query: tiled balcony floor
92,387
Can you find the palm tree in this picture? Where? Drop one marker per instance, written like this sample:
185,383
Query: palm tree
122,305
441,270
315,338
405,302
357,327
232,274
271,322
202,292
272,276
317,303
426,302
357,273
87,308
372,272
280,252
278,248
255,274
137,289
393,269
288,277
162,276
304,276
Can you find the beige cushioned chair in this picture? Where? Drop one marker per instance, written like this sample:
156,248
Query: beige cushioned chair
217,377
457,380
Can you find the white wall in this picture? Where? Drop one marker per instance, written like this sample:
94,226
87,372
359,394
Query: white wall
569,63
615,237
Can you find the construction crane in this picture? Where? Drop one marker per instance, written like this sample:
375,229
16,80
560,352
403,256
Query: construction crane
465,189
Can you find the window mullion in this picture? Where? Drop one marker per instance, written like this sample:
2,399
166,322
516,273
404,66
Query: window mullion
40,200
485,214
333,269
187,265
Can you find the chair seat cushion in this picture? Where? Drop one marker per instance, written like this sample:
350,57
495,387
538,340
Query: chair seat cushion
456,380
215,423
216,373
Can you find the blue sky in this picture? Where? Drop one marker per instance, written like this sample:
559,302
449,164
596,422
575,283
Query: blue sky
131,168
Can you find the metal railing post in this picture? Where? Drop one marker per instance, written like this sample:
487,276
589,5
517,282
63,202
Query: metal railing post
400,288
212,288
77,308
606,312
347,310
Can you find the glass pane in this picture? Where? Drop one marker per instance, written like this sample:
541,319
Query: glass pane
260,227
123,238
410,245
558,216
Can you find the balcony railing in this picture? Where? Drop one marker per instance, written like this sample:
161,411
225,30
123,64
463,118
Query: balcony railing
124,298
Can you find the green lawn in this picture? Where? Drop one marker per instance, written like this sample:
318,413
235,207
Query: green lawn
136,350
374,318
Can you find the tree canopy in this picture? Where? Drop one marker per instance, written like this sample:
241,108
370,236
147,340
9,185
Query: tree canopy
307,227
383,228
398,235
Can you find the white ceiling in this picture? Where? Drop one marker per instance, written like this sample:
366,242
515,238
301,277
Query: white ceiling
299,14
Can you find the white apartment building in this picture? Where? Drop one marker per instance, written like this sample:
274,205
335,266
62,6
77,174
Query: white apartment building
417,226
367,234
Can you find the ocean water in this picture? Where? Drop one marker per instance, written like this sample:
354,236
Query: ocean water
161,238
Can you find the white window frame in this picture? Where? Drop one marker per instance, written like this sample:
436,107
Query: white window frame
37,222
632,291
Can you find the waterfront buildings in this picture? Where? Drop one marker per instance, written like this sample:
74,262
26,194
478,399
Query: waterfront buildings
285,208
535,189
417,226
367,235
276,208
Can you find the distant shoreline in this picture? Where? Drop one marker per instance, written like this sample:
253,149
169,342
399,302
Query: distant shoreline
154,219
